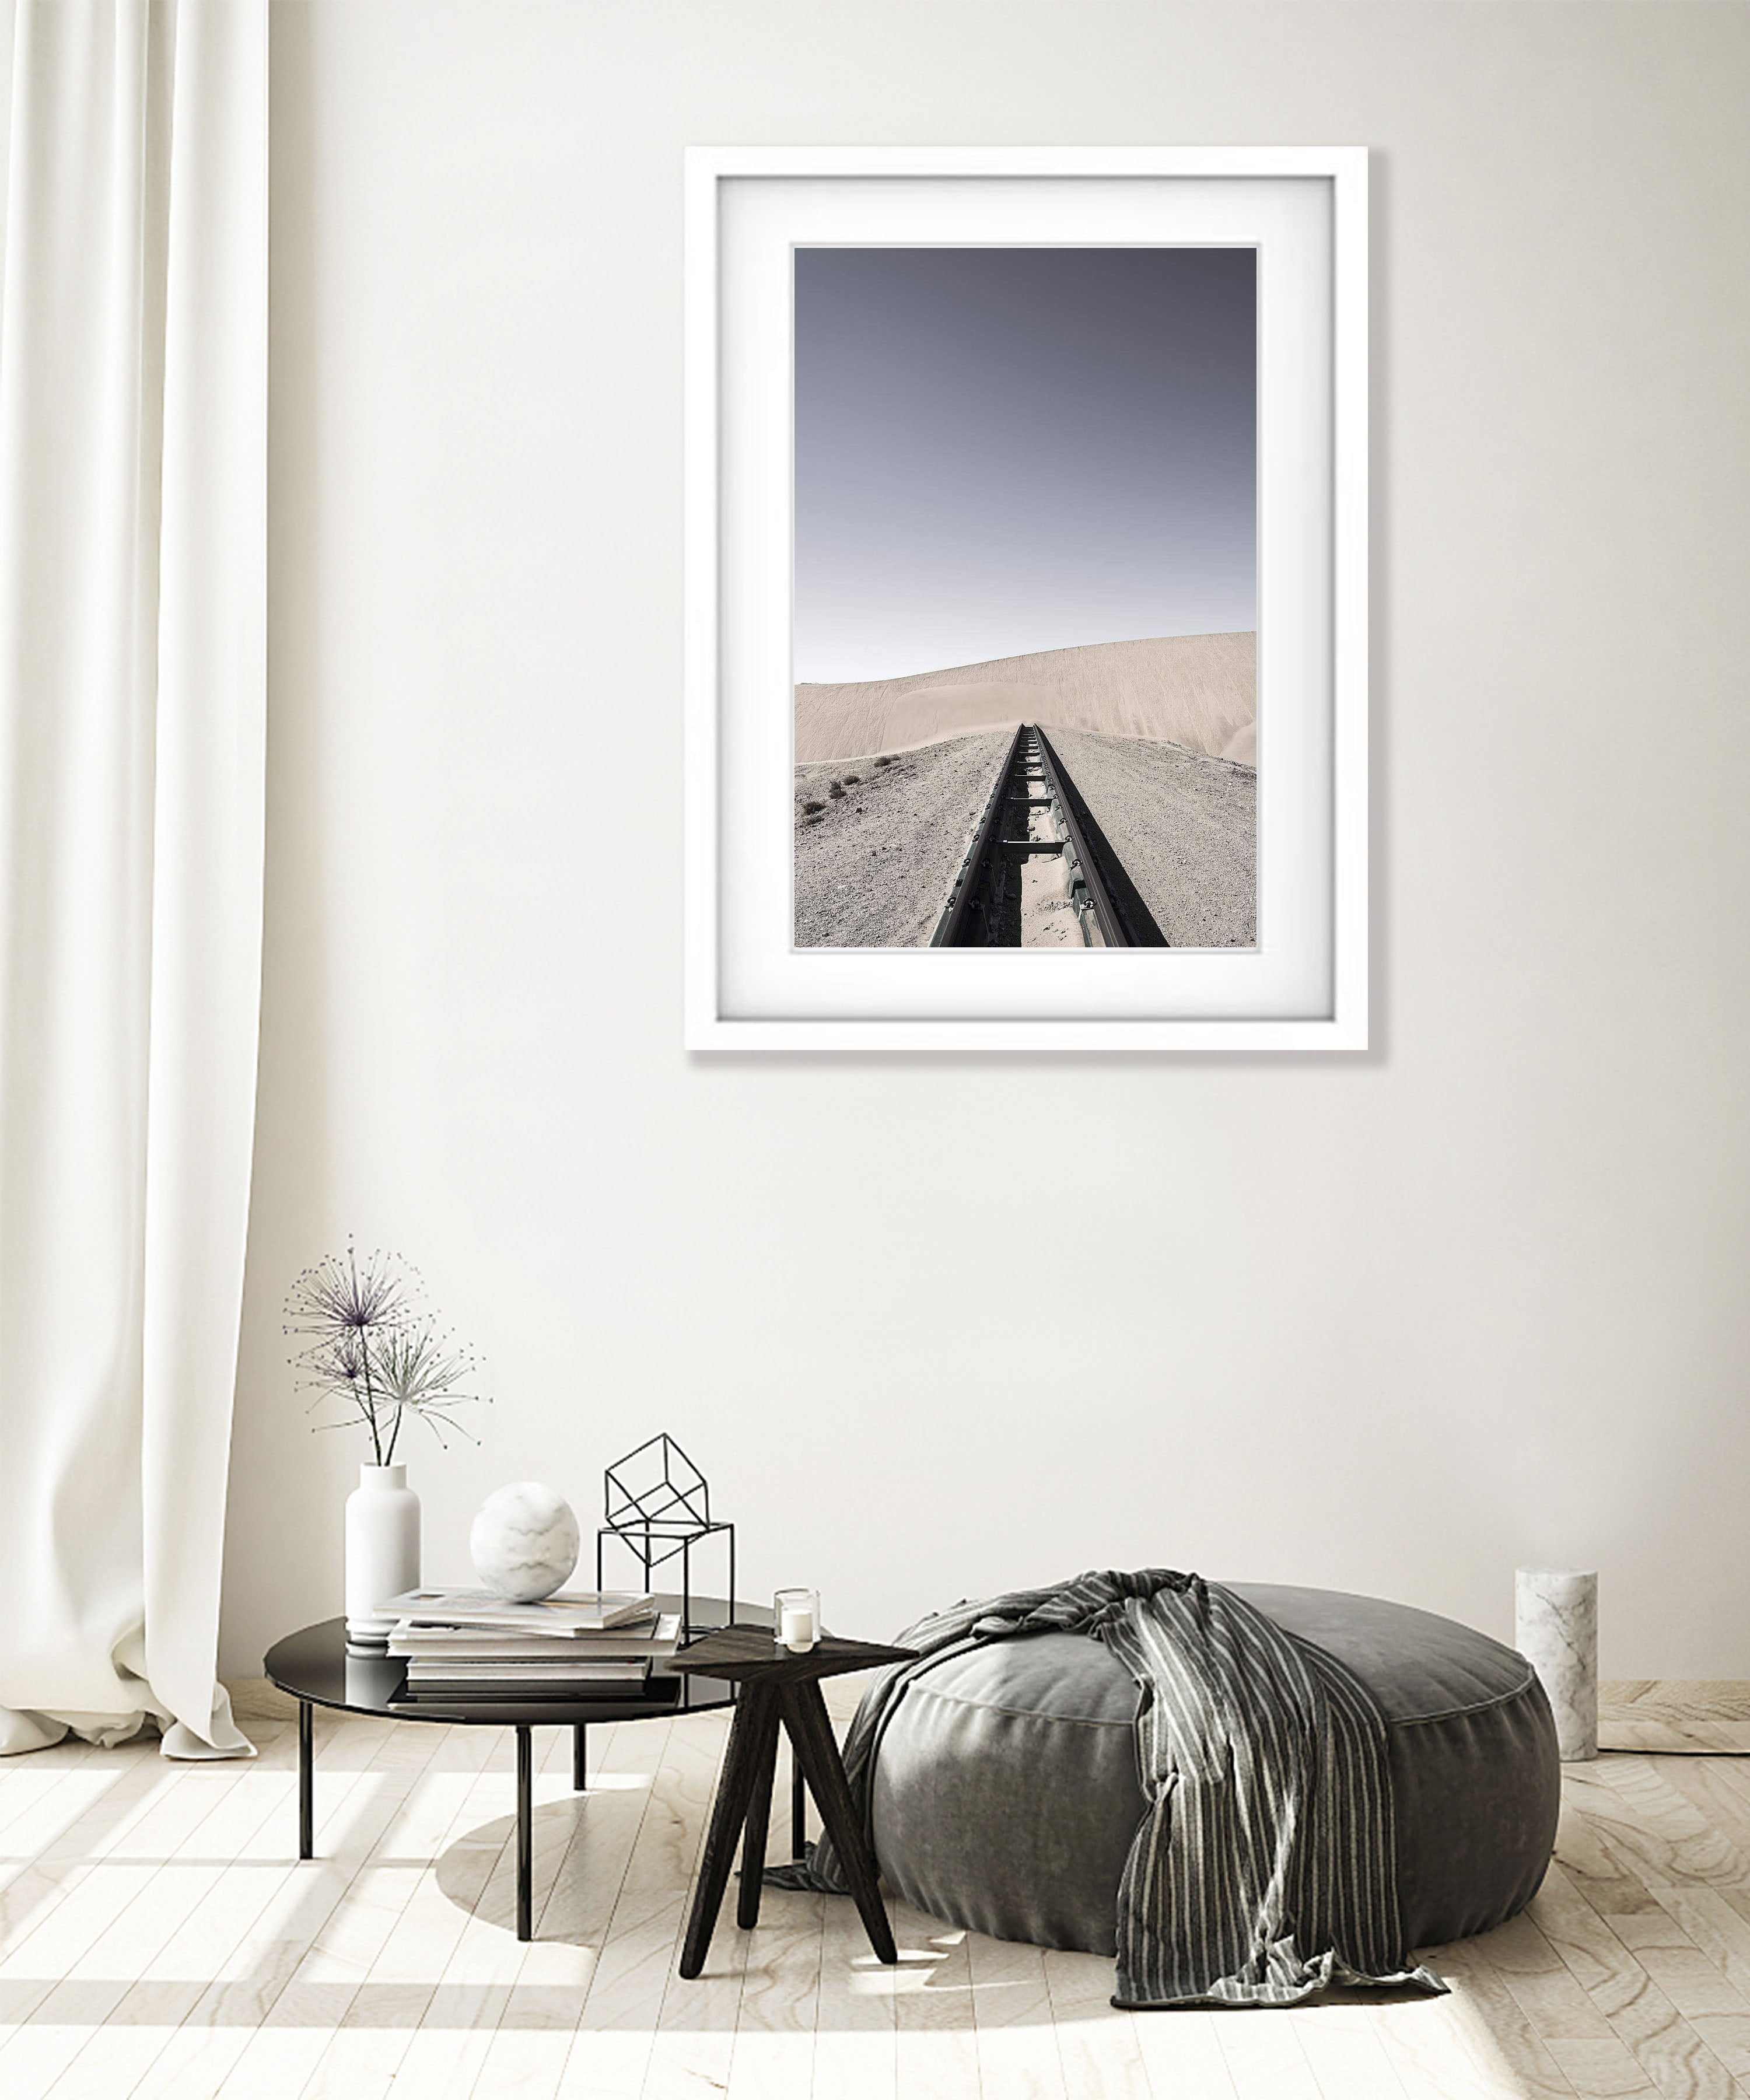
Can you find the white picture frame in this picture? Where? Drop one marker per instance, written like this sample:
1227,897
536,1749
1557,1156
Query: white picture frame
1305,985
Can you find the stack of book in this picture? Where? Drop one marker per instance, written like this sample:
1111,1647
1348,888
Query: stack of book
468,1647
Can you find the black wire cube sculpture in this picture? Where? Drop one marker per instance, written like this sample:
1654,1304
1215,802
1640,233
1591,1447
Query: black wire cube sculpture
657,1504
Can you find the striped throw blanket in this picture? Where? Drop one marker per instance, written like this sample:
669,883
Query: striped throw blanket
1265,1867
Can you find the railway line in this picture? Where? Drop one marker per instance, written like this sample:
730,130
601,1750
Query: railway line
1039,872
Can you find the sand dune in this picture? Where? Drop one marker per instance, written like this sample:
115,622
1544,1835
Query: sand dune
1199,690
1242,746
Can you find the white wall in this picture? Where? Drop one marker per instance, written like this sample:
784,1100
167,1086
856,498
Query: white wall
939,1325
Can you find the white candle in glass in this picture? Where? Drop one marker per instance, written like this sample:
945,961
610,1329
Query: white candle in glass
797,1614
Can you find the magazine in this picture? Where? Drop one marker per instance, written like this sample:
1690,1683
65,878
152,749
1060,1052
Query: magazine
648,1636
421,1672
568,1611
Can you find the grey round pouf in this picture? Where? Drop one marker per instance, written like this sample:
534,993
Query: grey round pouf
1006,1795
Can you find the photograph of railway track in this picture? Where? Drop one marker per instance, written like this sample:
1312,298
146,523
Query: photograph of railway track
1025,713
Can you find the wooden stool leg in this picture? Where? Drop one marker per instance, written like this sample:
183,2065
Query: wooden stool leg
759,1817
728,1814
804,1713
798,1815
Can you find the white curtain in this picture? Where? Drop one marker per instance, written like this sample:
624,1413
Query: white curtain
133,452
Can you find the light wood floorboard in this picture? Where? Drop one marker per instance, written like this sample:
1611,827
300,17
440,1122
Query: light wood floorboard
160,1940
1674,1714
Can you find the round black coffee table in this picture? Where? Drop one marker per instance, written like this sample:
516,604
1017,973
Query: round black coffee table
314,1667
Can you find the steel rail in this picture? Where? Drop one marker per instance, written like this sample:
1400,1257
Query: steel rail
1099,884
1125,921
947,933
1111,925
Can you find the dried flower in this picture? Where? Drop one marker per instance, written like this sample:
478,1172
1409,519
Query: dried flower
370,1344
419,1372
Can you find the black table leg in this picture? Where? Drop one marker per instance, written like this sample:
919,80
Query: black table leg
525,1834
306,1782
765,1755
580,1757
804,1713
729,1812
798,1808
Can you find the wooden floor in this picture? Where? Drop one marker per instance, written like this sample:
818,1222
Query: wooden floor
159,1937
1674,1714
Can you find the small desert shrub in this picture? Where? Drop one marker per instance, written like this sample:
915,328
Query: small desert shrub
813,809
811,820
851,780
836,791
884,761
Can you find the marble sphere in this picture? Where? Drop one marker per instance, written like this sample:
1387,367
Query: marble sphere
524,1542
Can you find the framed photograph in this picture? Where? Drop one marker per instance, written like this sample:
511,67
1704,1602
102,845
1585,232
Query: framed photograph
1026,598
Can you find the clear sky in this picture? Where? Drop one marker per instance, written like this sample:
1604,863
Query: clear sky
1006,449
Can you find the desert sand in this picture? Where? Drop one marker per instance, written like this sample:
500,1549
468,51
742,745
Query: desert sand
1185,827
873,863
1198,690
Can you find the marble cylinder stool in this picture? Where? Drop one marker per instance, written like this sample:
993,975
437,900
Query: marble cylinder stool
1556,1630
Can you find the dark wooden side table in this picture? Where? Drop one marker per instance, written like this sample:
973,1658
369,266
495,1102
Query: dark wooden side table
776,1686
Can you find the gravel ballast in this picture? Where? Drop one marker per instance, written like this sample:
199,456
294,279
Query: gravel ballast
873,863
1185,827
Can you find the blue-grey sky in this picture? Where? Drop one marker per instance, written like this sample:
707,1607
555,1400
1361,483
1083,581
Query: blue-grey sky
1005,449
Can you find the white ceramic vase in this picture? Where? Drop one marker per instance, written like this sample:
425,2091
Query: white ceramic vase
382,1550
